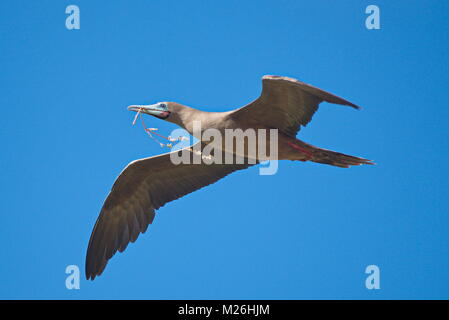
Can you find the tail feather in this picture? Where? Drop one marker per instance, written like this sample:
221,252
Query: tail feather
336,158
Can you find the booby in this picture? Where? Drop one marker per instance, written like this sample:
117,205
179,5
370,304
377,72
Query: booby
147,184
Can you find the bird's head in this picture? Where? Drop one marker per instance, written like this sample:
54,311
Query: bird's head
159,110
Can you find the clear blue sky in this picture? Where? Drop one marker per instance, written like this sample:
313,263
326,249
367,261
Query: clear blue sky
307,232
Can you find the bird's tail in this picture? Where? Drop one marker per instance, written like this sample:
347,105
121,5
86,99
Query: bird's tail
315,154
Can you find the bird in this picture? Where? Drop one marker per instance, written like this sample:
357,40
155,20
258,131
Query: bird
145,185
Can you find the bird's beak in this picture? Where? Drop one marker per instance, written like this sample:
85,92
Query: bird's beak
153,109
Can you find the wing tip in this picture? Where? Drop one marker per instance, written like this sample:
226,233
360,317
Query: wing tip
329,97
93,272
90,275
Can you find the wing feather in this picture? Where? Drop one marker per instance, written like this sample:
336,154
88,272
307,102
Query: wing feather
144,186
287,104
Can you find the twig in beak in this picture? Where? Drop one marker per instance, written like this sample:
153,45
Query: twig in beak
137,114
151,131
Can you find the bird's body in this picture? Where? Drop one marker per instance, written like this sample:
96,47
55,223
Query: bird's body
147,184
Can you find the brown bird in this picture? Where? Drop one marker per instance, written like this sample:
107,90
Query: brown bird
147,184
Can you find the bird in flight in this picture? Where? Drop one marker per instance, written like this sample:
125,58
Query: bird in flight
147,184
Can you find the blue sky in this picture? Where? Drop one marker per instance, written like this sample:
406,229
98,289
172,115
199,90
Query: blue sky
307,232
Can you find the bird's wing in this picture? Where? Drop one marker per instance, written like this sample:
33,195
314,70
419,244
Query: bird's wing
286,104
142,187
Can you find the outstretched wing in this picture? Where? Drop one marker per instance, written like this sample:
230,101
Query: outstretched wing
142,187
286,104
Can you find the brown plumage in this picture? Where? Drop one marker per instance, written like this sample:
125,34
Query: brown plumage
147,184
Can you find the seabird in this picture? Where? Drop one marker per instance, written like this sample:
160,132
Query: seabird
147,184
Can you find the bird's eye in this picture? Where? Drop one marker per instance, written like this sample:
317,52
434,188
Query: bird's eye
162,105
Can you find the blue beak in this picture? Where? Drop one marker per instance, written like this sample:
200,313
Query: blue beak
158,110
